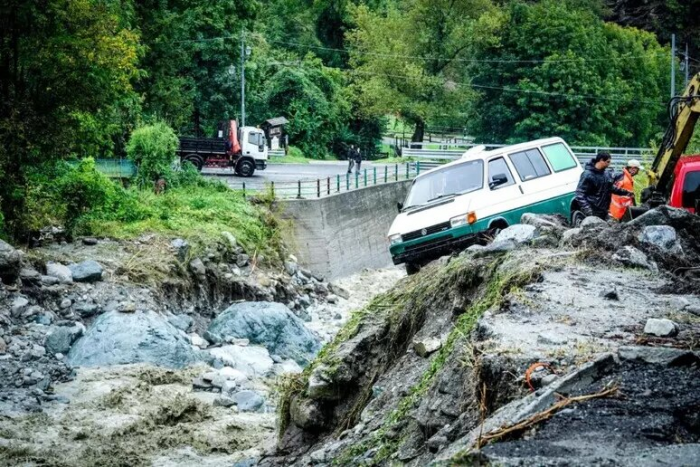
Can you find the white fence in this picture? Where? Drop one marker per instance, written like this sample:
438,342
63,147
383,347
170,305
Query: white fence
446,152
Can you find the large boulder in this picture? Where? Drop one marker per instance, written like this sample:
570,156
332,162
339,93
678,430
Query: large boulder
141,337
253,361
663,237
86,271
519,233
269,324
632,257
9,263
59,339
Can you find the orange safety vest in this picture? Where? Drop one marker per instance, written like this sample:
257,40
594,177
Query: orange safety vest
619,204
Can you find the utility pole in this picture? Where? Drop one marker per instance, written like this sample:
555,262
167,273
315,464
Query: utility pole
673,65
243,78
687,66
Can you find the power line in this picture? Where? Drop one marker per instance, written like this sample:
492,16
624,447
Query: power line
418,57
518,91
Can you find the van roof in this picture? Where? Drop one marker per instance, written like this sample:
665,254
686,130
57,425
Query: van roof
497,151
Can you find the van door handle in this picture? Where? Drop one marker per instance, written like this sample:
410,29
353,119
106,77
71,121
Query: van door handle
521,189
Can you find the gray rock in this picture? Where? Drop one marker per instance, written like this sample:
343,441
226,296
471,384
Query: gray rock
60,272
3,346
592,222
198,341
249,401
425,347
569,237
661,327
89,241
59,339
65,303
519,233
663,215
242,260
181,247
269,324
551,338
290,267
87,309
548,379
19,304
230,239
86,271
182,322
44,318
197,268
228,387
663,237
320,385
543,221
49,280
9,263
339,291
659,355
29,276
496,247
224,401
142,337
287,367
632,257
126,307
251,360
693,309
475,247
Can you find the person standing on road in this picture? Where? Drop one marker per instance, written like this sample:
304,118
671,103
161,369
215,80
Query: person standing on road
625,181
358,159
595,187
351,157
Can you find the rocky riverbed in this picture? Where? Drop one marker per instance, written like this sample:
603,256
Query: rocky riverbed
146,353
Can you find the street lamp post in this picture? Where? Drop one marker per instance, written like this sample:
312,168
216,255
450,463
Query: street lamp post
245,51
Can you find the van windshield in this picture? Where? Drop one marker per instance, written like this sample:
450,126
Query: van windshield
450,181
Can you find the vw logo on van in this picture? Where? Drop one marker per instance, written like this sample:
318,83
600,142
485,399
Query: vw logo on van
424,232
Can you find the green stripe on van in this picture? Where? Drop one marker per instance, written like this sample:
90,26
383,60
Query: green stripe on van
557,205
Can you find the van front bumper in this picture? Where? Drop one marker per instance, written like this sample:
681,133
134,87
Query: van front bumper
260,164
434,248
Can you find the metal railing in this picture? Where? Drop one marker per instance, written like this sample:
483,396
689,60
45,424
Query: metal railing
327,186
447,152
116,168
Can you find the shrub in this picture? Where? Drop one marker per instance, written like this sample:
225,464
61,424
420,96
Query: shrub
293,151
152,148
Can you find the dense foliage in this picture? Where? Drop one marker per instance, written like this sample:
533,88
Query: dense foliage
152,148
77,77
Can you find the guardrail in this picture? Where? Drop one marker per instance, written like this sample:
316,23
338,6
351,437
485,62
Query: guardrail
447,152
322,187
116,168
276,152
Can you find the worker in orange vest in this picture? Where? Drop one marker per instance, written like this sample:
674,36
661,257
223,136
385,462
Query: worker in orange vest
625,181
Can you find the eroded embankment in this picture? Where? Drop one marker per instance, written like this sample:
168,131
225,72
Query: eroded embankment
431,370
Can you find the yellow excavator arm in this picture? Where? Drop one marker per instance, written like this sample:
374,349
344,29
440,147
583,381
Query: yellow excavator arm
684,112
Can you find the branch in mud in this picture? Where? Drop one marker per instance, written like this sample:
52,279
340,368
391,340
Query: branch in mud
544,415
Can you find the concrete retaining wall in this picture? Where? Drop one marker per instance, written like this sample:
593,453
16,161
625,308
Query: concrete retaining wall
341,234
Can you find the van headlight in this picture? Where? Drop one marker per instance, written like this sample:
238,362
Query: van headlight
395,239
464,219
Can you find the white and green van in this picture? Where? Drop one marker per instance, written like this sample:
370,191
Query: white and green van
461,203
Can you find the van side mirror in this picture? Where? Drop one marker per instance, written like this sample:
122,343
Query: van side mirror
497,180
399,206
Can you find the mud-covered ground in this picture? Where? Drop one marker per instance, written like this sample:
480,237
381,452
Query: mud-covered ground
654,420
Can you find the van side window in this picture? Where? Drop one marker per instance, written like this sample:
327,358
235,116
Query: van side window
529,164
499,167
559,157
691,189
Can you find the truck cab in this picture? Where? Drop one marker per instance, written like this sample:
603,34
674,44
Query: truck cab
253,145
685,191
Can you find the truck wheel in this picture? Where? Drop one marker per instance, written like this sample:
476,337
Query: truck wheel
412,268
196,161
245,168
576,218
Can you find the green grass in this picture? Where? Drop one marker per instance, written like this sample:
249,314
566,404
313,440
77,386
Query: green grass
290,160
394,160
196,213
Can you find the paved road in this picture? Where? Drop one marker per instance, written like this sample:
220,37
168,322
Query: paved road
291,173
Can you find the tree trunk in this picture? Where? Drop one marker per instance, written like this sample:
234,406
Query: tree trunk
418,133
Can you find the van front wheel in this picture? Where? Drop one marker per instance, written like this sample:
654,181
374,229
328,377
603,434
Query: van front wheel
576,218
412,268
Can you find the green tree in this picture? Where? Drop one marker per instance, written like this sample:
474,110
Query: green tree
555,68
409,59
192,57
152,148
66,73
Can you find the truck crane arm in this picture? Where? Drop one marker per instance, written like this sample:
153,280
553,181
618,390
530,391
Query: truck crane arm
684,112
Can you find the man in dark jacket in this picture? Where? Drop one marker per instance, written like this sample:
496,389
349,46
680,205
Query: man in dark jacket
596,187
